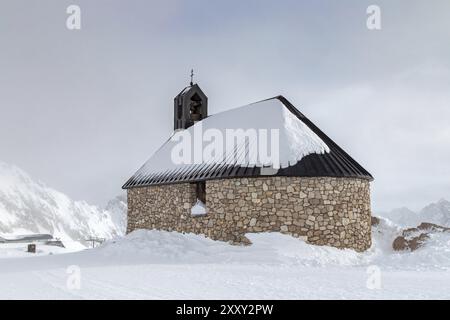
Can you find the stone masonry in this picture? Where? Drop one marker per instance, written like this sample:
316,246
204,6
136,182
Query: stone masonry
322,210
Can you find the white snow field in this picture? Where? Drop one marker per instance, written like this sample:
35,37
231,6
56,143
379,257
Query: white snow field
168,265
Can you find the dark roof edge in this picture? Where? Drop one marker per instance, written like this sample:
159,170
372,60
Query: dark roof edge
320,133
124,187
189,88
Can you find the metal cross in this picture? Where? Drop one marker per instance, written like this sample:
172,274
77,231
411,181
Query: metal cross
192,77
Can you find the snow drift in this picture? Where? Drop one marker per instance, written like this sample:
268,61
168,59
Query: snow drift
168,265
162,247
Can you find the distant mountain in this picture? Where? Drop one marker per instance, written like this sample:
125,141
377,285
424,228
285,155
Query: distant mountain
117,208
27,206
438,213
402,216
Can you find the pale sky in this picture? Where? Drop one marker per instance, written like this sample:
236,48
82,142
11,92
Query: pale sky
82,110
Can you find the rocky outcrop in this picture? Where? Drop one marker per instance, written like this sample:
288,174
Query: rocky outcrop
374,221
414,238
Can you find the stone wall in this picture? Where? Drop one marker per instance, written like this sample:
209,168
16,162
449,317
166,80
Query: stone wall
324,211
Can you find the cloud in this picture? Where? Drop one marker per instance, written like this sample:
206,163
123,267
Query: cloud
75,106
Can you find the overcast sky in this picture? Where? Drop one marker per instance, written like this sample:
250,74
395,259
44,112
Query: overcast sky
81,110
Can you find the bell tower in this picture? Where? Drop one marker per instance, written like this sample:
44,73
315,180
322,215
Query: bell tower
190,106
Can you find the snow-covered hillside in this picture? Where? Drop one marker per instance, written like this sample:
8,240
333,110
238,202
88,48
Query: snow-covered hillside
27,206
117,208
438,213
170,265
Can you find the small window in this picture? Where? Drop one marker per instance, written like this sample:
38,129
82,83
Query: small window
199,208
200,191
195,108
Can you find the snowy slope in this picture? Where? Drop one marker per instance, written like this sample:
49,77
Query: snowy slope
402,216
438,213
169,265
27,206
117,208
275,248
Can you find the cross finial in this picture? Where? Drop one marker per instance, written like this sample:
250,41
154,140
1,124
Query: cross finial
192,77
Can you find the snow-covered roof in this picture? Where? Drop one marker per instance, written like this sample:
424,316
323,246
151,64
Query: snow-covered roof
298,140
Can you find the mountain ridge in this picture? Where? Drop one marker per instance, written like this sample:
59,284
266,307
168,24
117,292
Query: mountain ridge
436,212
29,206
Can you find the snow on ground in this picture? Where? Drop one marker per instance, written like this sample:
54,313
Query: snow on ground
169,265
19,250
